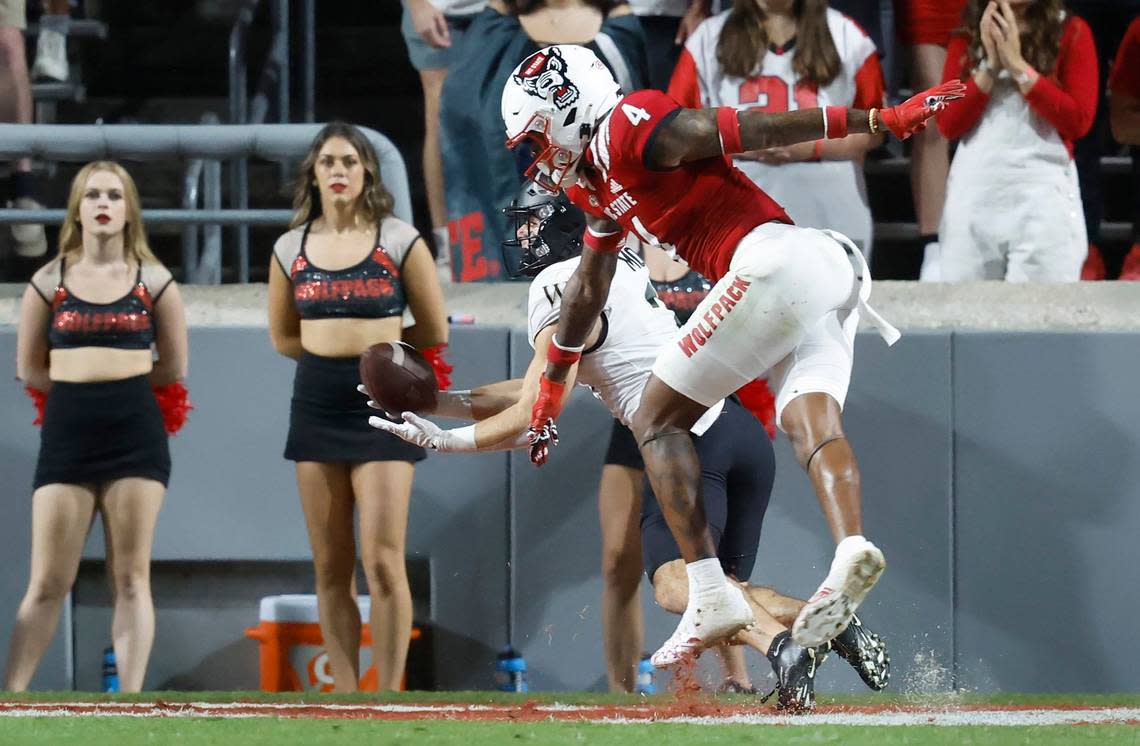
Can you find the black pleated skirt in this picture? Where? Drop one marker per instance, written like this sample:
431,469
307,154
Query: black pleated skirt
98,432
328,417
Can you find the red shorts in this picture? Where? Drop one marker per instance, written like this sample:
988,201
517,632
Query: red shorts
927,21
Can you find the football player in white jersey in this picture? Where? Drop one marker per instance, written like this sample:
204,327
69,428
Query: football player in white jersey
616,366
811,56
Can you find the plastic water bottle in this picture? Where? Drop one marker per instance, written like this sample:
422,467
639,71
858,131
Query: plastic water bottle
510,671
645,671
110,670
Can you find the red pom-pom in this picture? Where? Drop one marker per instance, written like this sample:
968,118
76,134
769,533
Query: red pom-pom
439,365
174,403
758,399
39,398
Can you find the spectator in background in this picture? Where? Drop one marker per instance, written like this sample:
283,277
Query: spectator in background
783,55
667,24
1108,20
1013,205
924,26
433,30
482,176
89,322
1124,104
51,44
16,106
343,233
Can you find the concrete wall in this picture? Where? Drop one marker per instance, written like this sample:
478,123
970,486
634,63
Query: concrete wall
998,478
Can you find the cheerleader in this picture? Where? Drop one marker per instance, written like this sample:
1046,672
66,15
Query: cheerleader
339,282
91,323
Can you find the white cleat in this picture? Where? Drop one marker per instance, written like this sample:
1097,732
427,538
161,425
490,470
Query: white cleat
856,568
703,625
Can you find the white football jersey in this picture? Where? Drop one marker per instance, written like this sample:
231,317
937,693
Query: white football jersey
636,326
822,194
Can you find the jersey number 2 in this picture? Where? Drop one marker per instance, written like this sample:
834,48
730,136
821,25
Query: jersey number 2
635,114
770,93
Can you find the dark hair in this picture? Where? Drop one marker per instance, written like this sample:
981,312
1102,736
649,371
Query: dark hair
744,41
1040,45
522,7
375,201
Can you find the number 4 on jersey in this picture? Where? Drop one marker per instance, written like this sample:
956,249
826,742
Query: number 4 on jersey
635,114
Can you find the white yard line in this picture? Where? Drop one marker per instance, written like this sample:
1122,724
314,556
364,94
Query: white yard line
903,717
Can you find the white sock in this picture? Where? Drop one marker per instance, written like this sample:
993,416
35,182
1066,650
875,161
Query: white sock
705,576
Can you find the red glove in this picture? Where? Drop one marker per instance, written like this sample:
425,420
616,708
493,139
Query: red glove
39,398
542,433
911,115
439,365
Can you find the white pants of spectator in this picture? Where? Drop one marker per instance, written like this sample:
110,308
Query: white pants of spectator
1013,206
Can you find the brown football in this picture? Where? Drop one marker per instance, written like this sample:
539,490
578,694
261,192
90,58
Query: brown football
398,378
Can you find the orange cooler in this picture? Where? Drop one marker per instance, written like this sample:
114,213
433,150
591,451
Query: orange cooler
293,657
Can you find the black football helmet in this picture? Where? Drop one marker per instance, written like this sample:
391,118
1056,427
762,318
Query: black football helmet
542,229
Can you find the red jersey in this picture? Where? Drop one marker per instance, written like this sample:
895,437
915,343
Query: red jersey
1125,77
701,209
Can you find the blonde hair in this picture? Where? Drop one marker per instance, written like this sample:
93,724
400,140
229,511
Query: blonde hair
375,201
134,238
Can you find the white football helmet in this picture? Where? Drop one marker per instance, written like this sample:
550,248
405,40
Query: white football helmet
552,100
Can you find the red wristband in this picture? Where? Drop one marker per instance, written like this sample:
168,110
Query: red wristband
561,357
835,122
728,125
817,150
609,243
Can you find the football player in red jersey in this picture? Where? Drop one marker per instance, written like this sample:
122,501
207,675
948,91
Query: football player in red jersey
786,300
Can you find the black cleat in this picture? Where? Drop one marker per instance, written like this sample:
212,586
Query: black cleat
866,652
794,667
732,686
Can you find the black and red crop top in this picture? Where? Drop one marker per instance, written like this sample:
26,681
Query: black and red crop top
370,289
123,324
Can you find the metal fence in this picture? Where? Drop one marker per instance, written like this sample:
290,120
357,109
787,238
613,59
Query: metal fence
206,144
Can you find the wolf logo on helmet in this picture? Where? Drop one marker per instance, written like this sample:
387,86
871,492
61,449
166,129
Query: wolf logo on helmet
552,101
543,74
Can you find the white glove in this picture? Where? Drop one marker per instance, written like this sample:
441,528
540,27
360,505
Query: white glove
426,434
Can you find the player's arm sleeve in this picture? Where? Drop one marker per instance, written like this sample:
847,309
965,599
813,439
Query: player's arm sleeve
544,304
1070,103
1125,76
870,88
685,86
955,121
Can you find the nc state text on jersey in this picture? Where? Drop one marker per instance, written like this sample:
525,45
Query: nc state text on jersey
620,206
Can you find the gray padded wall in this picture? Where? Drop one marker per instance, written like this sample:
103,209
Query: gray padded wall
1027,517
1048,510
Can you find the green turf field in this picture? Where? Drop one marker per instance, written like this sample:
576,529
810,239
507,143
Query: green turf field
201,718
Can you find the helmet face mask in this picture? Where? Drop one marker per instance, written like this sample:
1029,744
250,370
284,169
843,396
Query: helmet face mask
544,229
553,167
550,102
